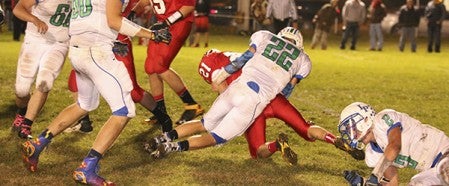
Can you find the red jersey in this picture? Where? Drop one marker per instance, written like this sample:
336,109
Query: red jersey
165,8
212,62
129,7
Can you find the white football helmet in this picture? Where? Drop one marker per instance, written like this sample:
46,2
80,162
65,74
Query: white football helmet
292,34
355,121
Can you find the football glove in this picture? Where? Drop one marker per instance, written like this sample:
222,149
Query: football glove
355,153
120,48
353,178
287,91
159,26
162,35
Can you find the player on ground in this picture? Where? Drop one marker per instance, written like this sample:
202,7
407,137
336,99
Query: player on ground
41,57
264,76
394,140
123,52
279,108
93,28
178,17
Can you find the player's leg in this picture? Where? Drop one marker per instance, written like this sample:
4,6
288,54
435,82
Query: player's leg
255,136
26,71
50,66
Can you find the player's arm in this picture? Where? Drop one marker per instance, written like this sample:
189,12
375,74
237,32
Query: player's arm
23,11
173,18
234,66
127,27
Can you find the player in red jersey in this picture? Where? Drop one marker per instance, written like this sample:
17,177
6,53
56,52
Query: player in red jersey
178,17
123,52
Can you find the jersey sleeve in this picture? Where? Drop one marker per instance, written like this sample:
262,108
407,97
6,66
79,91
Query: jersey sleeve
387,120
258,37
306,66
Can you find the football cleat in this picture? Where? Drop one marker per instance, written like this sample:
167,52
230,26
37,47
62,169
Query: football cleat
31,150
83,126
151,145
152,120
25,132
286,152
87,173
18,120
190,112
163,149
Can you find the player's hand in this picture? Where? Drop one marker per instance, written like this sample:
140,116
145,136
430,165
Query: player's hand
42,27
353,178
355,153
120,48
159,26
287,91
162,35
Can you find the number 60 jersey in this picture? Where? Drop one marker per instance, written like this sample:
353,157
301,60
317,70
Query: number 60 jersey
56,14
274,64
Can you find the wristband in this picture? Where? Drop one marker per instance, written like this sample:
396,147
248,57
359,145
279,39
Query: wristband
174,17
129,28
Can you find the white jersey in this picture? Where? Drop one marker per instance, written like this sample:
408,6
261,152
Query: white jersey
89,25
274,64
54,13
421,144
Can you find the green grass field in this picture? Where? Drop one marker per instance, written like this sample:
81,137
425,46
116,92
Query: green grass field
414,83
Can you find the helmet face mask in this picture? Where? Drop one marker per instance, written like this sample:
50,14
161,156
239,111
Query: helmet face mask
356,121
292,34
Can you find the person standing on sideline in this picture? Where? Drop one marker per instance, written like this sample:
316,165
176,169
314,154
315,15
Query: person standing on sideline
177,16
283,13
41,58
18,25
324,19
435,13
353,15
377,12
202,9
408,23
93,28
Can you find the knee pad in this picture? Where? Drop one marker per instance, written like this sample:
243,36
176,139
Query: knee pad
23,87
44,81
218,139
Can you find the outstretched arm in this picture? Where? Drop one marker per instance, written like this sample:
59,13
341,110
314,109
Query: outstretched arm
23,11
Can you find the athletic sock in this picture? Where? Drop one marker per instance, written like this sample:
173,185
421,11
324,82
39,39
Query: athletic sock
46,134
183,145
186,97
22,111
94,154
273,146
173,135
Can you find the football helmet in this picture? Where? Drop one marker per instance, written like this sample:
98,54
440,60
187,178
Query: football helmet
355,121
292,34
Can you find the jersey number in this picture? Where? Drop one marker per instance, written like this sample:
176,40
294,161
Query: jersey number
159,6
287,52
204,70
61,16
405,161
81,8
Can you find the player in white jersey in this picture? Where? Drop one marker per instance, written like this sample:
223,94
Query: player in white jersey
94,27
268,65
41,57
395,140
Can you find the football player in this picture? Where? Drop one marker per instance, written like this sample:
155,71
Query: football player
394,140
177,16
94,26
41,57
123,52
258,83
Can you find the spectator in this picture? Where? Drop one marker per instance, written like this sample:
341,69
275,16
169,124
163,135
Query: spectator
259,12
377,12
353,15
435,13
408,23
283,13
19,26
202,9
324,20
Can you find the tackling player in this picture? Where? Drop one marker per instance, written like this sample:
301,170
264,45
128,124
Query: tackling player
394,140
94,26
279,108
123,52
177,16
41,57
